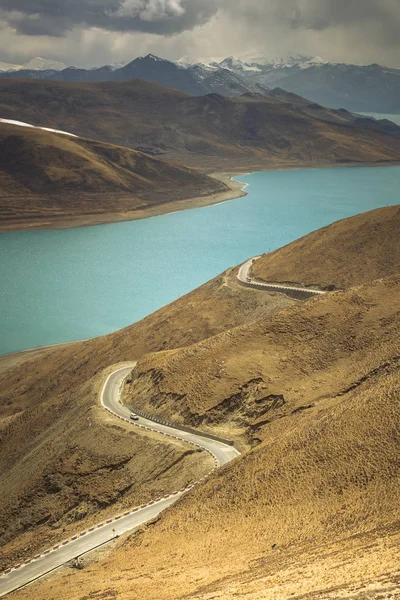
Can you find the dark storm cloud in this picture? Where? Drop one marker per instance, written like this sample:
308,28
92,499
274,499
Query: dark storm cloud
314,14
318,14
168,17
378,19
56,17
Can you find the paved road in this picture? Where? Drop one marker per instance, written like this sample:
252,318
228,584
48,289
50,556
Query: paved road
105,532
244,277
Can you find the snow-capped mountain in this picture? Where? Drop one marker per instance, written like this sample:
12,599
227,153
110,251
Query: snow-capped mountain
238,66
269,70
43,64
9,67
206,63
370,88
358,88
199,79
36,64
284,61
112,66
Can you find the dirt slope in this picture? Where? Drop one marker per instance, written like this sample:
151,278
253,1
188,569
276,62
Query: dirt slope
349,252
211,132
50,176
56,477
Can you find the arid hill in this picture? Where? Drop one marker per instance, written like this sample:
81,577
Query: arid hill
47,177
246,378
211,132
311,511
349,252
57,477
236,377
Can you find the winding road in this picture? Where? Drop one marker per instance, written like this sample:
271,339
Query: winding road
301,293
103,533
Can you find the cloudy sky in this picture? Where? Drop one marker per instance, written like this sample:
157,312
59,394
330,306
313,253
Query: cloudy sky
95,32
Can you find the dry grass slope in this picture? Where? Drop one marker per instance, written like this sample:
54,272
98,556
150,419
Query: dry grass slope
273,368
49,176
210,132
349,252
56,477
311,510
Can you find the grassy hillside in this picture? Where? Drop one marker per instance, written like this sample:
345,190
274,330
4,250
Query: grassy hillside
270,369
45,176
211,132
349,252
312,510
311,389
56,476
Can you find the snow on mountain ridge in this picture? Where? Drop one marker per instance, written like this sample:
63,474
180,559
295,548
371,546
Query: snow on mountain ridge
9,67
44,64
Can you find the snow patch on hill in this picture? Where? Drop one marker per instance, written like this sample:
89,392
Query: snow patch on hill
22,124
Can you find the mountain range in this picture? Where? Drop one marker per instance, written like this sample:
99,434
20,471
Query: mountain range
111,170
197,80
370,88
276,129
36,64
373,88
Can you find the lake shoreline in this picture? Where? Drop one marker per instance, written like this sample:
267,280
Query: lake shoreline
14,359
154,261
236,190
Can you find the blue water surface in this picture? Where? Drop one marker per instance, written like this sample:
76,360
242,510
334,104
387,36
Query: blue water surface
59,286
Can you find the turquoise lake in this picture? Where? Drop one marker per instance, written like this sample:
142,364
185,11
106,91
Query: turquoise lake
59,286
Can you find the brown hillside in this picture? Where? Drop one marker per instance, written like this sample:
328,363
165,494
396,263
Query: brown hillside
211,132
269,369
311,512
49,411
349,252
47,176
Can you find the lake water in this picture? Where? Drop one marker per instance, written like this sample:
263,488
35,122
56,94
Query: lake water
59,286
394,118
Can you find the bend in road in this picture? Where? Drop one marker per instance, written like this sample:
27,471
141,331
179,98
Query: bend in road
109,399
244,278
103,533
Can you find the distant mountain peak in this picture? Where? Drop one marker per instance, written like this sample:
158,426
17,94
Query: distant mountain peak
9,67
154,58
44,64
